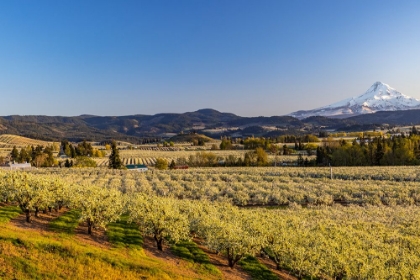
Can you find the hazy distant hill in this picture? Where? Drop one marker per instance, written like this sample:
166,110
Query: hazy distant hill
207,121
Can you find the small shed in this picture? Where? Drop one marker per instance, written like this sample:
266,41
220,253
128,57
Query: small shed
137,167
19,166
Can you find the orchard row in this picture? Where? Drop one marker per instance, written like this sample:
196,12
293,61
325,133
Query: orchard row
323,242
263,186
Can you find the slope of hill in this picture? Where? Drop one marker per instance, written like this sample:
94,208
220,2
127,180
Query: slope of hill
210,122
20,141
405,117
379,97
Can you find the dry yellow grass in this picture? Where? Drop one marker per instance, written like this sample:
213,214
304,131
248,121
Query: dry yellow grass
9,140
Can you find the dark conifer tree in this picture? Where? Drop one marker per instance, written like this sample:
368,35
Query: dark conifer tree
114,159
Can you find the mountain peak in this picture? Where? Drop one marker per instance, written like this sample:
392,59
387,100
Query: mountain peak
379,97
380,88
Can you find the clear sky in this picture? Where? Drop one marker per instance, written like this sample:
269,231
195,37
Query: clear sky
251,58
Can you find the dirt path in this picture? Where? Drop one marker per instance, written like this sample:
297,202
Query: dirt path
40,223
237,273
176,264
280,273
221,263
97,238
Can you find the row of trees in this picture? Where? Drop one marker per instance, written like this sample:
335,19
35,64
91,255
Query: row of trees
334,243
398,150
251,143
83,149
37,156
258,157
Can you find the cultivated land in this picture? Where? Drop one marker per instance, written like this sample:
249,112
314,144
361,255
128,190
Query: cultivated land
363,223
7,141
148,155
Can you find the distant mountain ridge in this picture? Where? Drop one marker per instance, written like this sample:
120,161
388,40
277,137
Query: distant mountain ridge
379,97
210,122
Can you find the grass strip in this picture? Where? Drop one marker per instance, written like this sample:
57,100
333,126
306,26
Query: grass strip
256,269
190,252
9,212
124,234
66,223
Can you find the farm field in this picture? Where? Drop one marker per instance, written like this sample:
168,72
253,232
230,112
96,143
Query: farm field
361,224
148,156
247,186
8,141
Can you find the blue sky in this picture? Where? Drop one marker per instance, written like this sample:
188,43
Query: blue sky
251,58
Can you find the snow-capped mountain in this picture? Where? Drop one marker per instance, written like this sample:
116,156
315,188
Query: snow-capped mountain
379,97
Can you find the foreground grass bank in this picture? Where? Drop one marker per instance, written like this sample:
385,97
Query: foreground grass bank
55,254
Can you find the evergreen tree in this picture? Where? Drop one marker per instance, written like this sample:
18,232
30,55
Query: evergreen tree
379,152
172,165
14,154
114,159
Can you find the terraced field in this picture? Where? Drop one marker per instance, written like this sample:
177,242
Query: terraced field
8,141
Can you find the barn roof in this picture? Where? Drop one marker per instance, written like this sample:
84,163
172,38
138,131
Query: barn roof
135,166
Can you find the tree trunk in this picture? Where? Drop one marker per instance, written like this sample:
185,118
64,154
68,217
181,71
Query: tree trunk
232,259
231,263
49,209
44,211
36,211
28,215
90,224
159,243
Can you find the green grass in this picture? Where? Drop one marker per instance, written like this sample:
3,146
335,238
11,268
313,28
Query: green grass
190,252
59,254
124,234
9,212
32,254
66,223
256,269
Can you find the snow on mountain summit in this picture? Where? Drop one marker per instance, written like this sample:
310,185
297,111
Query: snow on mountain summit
379,97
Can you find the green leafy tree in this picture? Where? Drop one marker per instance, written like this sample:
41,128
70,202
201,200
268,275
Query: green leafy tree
159,217
161,164
226,144
30,192
98,206
261,157
84,161
14,155
232,232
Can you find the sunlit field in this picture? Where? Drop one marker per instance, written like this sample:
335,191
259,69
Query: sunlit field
356,223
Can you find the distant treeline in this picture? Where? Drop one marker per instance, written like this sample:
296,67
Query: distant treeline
397,150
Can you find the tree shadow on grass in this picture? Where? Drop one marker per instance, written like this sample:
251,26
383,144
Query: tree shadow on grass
124,234
9,212
66,223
